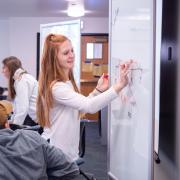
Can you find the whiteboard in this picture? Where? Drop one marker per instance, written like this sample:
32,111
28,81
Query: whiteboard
70,29
131,114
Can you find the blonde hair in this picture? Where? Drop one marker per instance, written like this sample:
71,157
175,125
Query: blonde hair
51,72
3,116
5,110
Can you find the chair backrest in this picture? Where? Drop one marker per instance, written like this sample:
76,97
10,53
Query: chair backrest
3,97
37,128
82,142
3,93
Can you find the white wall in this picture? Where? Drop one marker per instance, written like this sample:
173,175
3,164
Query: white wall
19,37
4,45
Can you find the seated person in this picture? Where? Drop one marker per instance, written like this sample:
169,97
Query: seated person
22,91
25,155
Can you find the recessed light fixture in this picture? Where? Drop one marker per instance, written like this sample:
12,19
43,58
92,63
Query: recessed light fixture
75,10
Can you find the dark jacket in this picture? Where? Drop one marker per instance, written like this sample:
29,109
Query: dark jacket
25,155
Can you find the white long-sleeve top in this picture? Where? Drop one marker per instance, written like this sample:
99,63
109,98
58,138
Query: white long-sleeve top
64,116
26,88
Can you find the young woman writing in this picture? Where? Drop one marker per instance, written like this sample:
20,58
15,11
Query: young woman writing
59,101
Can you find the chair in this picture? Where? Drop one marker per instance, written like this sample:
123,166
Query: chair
37,128
2,93
29,122
82,142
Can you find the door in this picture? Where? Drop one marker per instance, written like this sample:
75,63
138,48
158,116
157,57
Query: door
168,127
94,62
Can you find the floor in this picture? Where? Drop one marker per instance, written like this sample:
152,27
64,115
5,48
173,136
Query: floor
95,154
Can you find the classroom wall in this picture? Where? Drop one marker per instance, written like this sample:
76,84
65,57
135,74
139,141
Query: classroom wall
18,37
4,45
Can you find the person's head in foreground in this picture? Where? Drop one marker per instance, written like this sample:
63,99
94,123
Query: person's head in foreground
5,111
26,155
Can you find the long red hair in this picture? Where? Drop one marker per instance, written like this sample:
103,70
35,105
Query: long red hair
51,72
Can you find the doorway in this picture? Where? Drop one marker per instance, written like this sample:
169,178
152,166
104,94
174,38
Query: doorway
94,62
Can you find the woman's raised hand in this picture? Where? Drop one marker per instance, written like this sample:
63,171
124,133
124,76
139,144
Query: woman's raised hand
123,78
103,83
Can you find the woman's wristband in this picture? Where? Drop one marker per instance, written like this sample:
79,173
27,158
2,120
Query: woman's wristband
99,90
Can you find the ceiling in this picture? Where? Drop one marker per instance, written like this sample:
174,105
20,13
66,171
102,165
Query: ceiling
50,8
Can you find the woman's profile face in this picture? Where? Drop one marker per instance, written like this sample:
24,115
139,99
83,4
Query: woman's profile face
5,71
66,55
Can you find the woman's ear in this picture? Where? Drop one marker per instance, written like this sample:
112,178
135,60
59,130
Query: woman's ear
6,125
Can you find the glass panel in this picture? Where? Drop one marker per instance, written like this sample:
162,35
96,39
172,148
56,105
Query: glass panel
98,50
130,128
89,51
94,50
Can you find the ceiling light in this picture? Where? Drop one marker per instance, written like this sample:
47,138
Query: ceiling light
75,10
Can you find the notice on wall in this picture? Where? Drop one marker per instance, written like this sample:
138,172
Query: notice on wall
87,67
